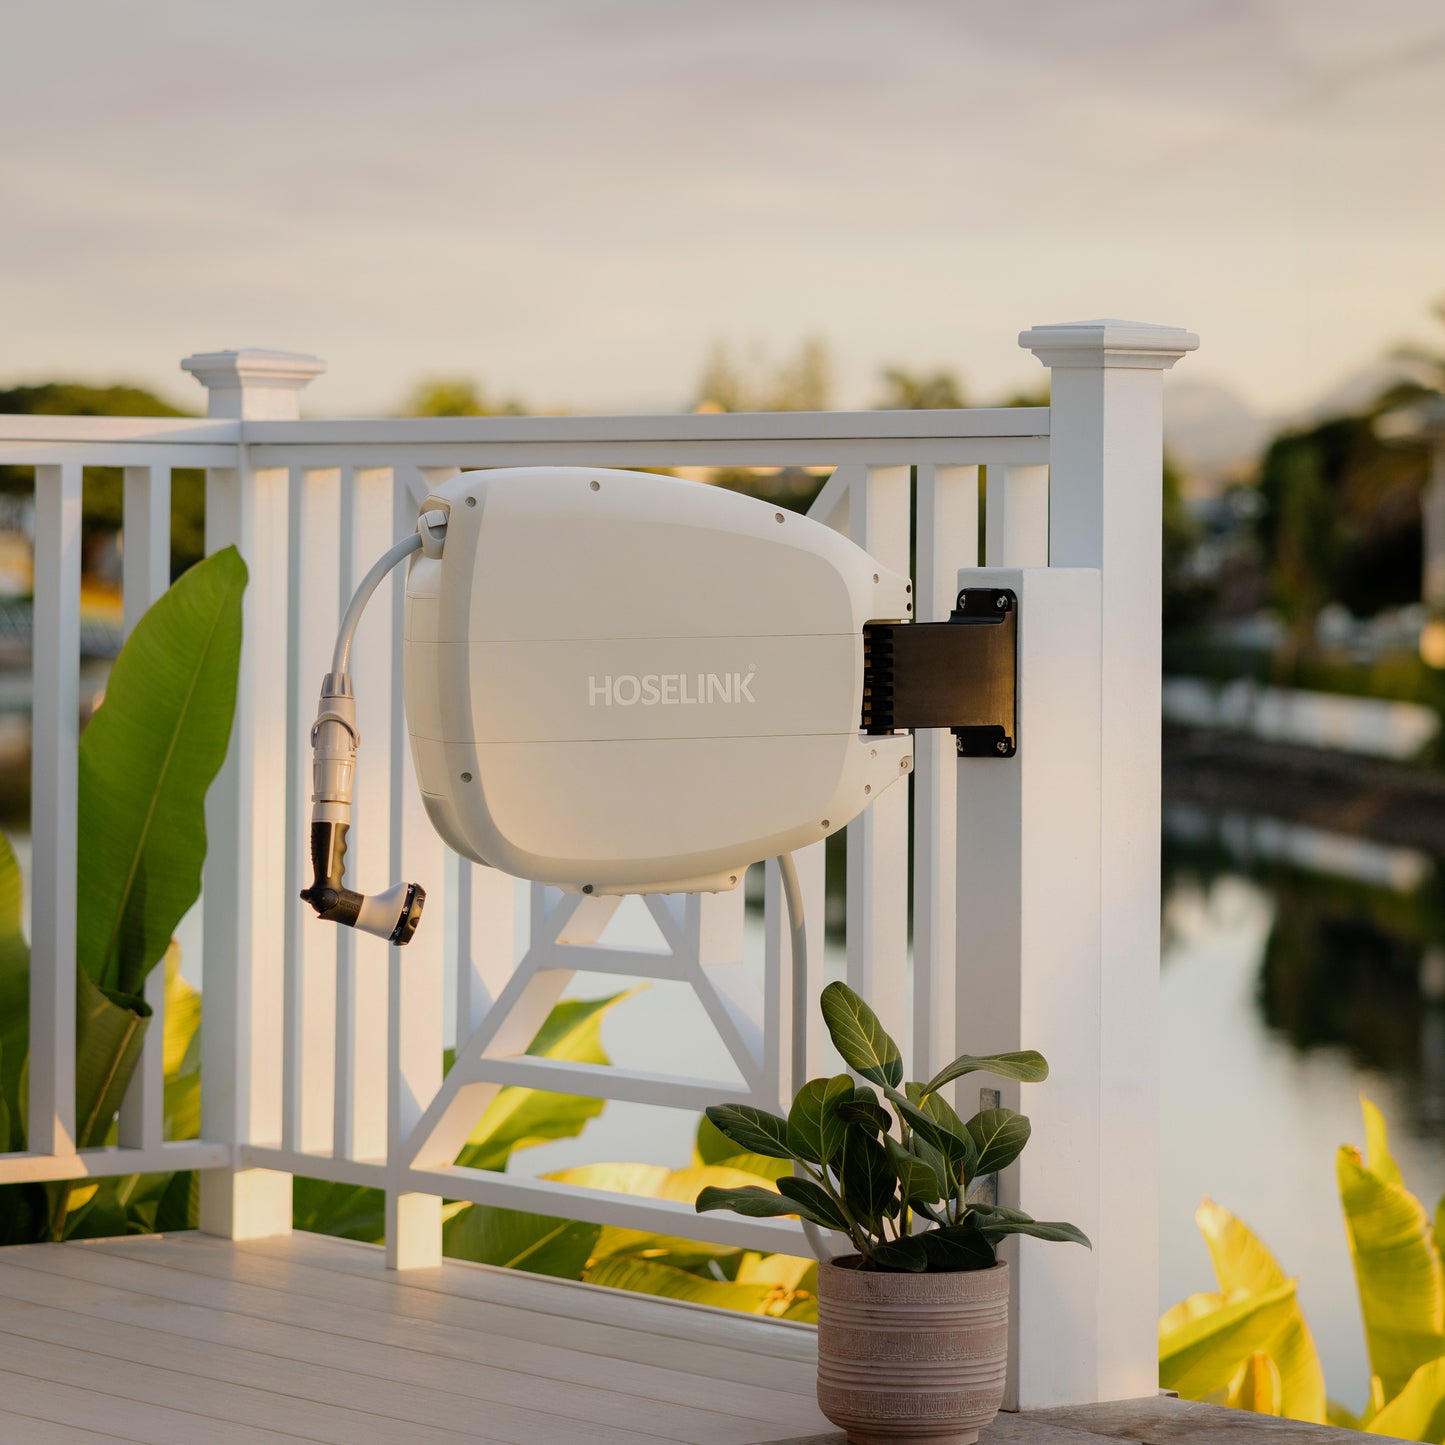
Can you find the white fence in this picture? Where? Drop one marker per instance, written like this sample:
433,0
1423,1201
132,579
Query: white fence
1034,886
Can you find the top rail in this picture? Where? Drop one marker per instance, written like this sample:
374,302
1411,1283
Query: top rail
967,436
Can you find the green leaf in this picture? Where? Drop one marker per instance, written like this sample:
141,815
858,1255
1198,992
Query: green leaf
515,1239
648,1277
146,760
1378,1158
711,1145
917,1181
864,1109
901,1256
1199,1355
1028,1065
109,1031
1418,1411
755,1202
1243,1265
815,1132
994,1227
999,1136
347,1211
14,996
859,1037
1397,1271
521,1118
755,1130
956,1150
957,1248
654,1181
867,1181
815,1201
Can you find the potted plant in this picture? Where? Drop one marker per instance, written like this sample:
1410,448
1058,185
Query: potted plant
913,1325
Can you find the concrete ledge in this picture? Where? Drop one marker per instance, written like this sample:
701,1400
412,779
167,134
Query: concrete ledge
1154,1421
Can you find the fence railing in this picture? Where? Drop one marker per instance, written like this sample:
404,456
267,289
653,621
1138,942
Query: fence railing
1033,888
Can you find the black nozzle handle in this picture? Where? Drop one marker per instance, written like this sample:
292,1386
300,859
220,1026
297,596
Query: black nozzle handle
392,915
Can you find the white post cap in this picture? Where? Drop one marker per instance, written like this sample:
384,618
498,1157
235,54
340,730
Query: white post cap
1108,342
254,384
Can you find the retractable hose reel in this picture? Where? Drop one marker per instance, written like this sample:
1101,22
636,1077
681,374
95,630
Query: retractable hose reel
617,682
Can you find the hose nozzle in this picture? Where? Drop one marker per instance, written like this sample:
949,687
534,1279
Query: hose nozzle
392,914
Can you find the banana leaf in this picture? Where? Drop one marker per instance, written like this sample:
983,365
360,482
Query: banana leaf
648,1277
1257,1387
1200,1349
146,760
1244,1266
1418,1411
14,1000
518,1240
520,1118
654,1181
1397,1264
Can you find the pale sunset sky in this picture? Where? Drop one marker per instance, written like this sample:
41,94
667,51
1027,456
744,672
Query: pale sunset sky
571,199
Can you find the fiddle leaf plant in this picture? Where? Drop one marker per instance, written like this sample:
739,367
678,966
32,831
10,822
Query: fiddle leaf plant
892,1166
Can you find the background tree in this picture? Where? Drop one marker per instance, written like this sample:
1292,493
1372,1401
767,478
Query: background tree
801,382
457,396
101,515
1340,521
905,390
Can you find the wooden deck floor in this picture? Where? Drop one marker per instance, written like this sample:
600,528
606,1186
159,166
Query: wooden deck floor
190,1340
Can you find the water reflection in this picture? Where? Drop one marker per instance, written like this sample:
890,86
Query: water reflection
1301,969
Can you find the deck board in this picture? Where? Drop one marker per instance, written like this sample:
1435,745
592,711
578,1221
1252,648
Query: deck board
187,1338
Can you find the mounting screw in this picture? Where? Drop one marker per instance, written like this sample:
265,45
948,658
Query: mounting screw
1001,746
825,822
471,501
778,517
466,777
1000,601
595,485
586,887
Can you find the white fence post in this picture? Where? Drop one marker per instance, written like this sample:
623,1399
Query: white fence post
1029,966
1105,512
246,887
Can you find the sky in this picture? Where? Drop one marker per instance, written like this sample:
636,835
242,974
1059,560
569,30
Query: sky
572,200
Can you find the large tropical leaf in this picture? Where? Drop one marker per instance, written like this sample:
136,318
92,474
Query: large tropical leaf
1418,1411
1397,1266
1200,1350
14,997
859,1037
654,1181
647,1277
520,1118
146,760
1257,1387
1244,1266
518,1240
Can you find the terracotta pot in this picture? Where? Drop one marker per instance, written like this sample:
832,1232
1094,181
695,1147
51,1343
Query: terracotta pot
905,1358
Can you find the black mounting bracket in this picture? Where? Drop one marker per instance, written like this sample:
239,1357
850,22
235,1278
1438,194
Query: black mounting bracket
961,674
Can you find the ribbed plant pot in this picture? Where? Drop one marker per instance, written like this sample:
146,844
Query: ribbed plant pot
911,1359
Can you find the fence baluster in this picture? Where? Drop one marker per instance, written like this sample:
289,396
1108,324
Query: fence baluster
53,811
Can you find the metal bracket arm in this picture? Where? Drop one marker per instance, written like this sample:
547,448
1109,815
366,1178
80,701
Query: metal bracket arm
961,674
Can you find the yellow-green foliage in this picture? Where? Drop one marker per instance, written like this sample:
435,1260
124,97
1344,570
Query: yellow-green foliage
1248,1344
